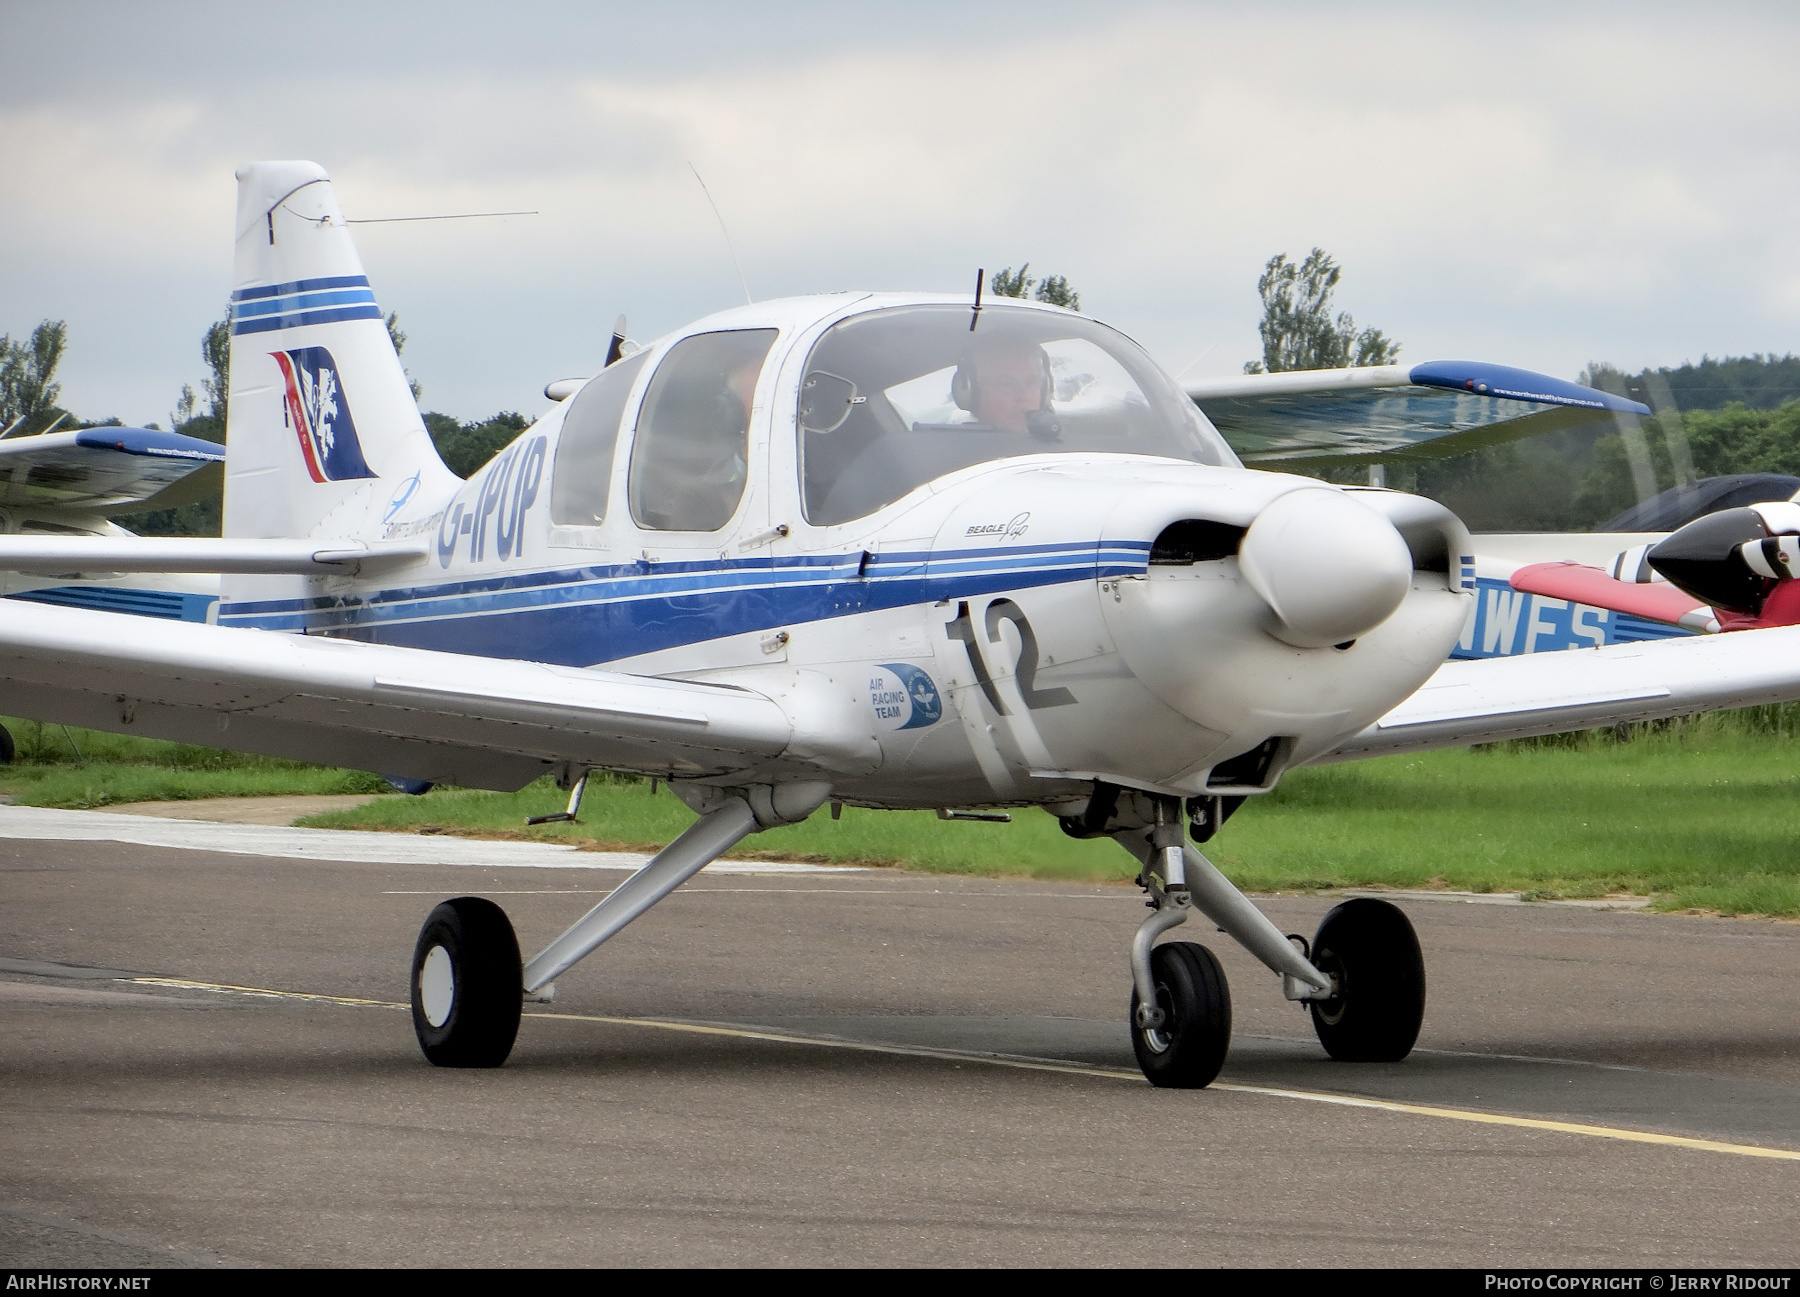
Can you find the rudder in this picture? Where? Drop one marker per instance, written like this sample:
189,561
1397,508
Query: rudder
322,425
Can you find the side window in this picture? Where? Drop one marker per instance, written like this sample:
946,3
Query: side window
584,451
691,454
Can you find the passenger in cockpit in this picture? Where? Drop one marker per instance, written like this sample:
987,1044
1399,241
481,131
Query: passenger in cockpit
1003,383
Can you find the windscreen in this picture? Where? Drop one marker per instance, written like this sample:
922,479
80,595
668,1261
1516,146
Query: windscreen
892,399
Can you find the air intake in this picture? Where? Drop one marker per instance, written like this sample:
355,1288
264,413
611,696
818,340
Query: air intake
1195,540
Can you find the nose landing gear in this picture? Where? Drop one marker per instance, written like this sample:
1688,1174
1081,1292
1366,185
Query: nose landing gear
1180,1003
1363,979
1186,1049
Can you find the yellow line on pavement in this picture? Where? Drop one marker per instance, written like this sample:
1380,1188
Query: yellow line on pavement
1047,1065
864,1046
263,992
1528,1123
1273,1092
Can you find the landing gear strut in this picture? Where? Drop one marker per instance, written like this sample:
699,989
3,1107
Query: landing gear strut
468,982
1180,1002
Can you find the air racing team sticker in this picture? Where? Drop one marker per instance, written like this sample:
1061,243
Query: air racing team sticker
904,697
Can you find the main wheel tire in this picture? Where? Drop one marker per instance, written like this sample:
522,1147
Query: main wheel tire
467,984
1187,1051
1370,950
7,750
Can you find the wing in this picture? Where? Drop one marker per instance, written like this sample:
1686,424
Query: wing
1489,699
66,554
1392,412
104,469
440,717
1655,600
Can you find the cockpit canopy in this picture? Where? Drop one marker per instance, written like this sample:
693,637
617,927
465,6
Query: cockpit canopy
894,398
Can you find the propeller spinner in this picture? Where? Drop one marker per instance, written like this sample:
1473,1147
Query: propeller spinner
1733,559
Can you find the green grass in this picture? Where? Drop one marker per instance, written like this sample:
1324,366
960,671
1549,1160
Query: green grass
625,815
1699,814
76,768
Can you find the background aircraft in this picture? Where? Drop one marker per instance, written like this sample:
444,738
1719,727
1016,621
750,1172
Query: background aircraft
901,551
68,484
1731,570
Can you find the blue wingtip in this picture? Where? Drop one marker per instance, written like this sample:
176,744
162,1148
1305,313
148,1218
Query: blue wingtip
151,441
1518,385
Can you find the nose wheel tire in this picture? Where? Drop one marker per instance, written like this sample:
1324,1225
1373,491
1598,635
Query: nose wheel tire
1369,950
467,984
1186,1051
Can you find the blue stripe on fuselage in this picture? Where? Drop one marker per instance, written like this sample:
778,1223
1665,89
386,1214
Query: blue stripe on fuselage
580,616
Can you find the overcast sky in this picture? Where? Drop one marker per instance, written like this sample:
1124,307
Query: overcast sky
1533,185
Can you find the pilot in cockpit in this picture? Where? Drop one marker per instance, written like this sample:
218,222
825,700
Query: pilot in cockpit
1005,383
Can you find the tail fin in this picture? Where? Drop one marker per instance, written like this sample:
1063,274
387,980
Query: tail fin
322,425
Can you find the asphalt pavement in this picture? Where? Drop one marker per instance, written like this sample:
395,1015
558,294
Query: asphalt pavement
857,1068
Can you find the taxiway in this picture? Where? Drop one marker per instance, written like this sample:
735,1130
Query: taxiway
870,1067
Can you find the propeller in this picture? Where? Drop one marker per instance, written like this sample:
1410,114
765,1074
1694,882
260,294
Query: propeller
1329,567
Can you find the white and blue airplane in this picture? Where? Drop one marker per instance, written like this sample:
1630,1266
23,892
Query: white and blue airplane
890,550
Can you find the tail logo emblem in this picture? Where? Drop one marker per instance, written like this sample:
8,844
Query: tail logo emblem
315,408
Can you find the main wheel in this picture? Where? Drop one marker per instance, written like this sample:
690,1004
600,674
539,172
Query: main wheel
7,750
1188,1049
1370,951
467,984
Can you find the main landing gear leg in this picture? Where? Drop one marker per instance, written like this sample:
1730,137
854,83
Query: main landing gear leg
468,984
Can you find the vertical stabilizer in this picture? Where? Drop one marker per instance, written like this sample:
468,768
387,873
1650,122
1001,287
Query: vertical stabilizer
322,426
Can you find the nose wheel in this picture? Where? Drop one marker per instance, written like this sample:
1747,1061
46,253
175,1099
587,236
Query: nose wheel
1185,1049
1369,950
467,984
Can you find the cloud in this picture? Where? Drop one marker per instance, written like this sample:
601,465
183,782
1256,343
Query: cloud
1520,185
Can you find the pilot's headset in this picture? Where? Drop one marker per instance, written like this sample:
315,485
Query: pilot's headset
1040,423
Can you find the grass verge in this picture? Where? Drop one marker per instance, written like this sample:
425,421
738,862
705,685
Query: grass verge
79,769
1700,814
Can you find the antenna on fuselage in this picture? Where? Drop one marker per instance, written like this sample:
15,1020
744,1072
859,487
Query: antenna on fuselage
616,348
736,265
975,315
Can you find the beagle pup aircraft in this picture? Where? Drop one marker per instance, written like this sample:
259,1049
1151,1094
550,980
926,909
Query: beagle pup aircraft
899,551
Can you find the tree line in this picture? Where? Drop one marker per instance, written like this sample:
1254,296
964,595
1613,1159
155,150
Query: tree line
1732,415
1715,416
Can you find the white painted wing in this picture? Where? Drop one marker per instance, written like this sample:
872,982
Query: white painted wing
66,554
413,713
1485,700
